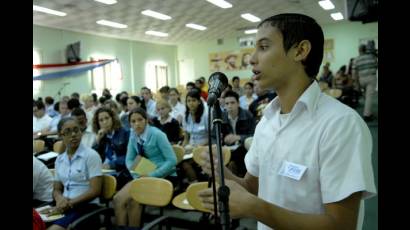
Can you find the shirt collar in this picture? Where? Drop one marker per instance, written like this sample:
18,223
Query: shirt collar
144,135
309,99
79,153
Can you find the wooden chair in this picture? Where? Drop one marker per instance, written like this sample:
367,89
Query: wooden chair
181,200
336,93
39,146
59,147
179,152
109,185
152,191
248,142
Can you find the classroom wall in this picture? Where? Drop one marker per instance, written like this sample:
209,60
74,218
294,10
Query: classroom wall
346,37
132,56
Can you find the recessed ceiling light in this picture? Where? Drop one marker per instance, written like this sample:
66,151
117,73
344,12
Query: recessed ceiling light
108,2
221,3
337,16
48,11
195,26
253,31
112,24
250,17
156,33
326,4
155,15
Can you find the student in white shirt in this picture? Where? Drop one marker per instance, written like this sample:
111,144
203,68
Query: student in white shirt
88,137
178,109
309,165
41,120
42,183
246,99
149,102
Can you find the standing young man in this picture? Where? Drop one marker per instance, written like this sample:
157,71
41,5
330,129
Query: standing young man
309,165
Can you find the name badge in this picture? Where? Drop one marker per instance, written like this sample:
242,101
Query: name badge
292,170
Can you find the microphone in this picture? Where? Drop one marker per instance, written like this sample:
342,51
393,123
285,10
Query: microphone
217,83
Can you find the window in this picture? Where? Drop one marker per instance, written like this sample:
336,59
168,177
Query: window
36,61
156,75
108,76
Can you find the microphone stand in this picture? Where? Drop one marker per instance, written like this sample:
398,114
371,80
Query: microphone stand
223,190
59,91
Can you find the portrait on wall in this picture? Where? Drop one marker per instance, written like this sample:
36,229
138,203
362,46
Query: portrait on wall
231,61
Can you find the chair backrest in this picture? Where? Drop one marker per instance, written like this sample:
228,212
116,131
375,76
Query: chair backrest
59,147
109,185
248,142
152,191
336,93
38,145
226,152
179,152
192,195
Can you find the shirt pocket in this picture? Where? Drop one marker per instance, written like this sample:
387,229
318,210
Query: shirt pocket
79,174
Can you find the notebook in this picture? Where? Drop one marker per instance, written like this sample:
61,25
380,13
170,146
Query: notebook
145,167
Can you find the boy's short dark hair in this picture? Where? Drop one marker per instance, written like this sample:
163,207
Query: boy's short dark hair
294,29
235,78
231,93
39,105
73,103
49,100
78,112
164,89
190,84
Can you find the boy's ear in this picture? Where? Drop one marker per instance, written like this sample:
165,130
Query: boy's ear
302,50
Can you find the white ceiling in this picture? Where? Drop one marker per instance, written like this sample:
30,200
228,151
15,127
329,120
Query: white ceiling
221,23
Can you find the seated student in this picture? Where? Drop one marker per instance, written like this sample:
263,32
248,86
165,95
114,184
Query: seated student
111,140
166,123
42,183
89,109
110,104
258,105
149,102
164,92
195,125
236,87
63,112
178,109
248,97
152,143
49,102
327,75
133,102
41,120
88,138
77,181
237,125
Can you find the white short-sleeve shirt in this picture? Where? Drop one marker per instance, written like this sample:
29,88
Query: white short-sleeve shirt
75,174
41,123
322,134
42,181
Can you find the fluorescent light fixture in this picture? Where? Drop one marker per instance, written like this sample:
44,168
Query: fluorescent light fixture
221,3
112,24
195,26
156,33
326,4
155,15
48,11
254,31
108,2
250,17
337,16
